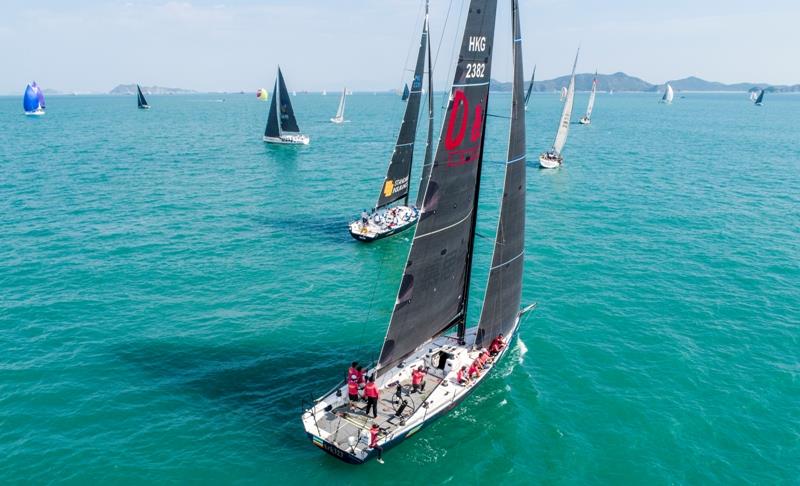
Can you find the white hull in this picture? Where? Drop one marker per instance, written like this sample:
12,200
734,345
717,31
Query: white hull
548,161
586,121
384,222
38,112
345,434
298,139
337,120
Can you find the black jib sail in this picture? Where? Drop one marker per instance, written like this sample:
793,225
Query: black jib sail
530,87
504,288
288,121
273,127
433,292
405,93
398,175
141,101
428,162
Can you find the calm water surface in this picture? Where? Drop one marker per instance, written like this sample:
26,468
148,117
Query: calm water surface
172,288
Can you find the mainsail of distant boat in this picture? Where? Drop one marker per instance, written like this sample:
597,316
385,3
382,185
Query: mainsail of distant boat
553,158
760,99
281,123
587,119
385,219
339,118
753,95
530,88
563,93
405,93
669,93
33,100
428,325
141,102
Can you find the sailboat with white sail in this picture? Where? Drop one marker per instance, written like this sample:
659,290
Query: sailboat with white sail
428,328
563,94
669,94
587,118
552,158
339,118
530,88
388,218
140,100
759,99
281,123
33,100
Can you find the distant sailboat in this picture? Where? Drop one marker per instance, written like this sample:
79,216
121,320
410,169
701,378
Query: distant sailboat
669,93
140,101
294,93
428,325
553,158
611,91
405,93
339,118
587,119
563,93
385,219
530,88
324,92
753,95
33,100
281,123
760,99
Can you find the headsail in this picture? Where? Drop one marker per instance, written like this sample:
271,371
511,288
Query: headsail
504,288
396,184
405,93
530,87
433,292
428,162
287,119
566,115
140,97
591,98
273,129
30,101
668,94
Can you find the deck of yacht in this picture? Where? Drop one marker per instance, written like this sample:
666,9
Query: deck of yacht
342,423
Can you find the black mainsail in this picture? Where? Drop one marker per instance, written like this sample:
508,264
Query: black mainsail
142,103
760,98
396,184
504,287
530,87
287,119
428,162
433,292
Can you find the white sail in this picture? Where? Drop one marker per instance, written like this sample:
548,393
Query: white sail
566,115
668,94
563,93
591,98
339,118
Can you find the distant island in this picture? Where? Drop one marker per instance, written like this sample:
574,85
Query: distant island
130,89
623,82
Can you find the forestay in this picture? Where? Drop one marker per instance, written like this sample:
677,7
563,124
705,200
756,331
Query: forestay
433,292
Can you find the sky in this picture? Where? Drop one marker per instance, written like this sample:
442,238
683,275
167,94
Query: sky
92,46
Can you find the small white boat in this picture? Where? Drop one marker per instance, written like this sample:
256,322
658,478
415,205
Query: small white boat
552,158
281,123
669,94
563,93
384,222
339,118
587,118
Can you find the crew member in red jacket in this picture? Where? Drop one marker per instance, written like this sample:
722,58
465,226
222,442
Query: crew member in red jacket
373,441
371,392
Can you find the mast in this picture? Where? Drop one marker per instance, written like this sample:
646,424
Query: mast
563,127
397,182
504,287
433,292
428,162
530,87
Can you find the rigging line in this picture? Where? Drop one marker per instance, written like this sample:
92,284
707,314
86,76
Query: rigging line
362,339
410,49
451,70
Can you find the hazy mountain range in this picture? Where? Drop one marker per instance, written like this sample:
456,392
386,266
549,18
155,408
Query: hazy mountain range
130,89
624,82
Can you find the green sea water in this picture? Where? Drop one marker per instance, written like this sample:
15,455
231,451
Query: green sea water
171,289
